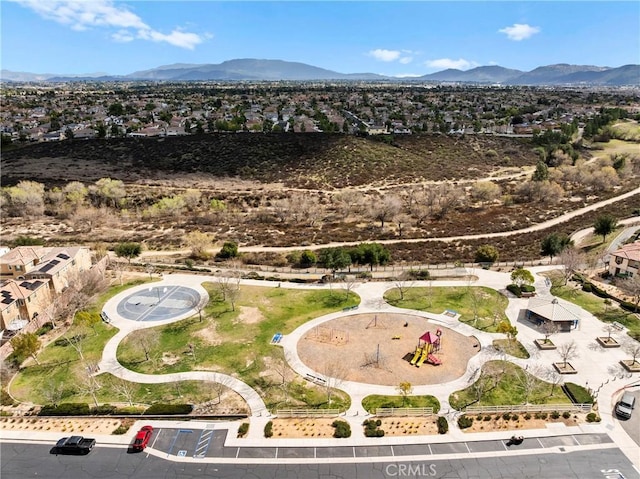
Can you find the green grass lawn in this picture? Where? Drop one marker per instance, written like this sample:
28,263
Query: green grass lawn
504,383
374,401
234,342
607,313
480,307
512,347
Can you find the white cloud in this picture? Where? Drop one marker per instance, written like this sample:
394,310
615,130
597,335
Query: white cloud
84,14
519,31
385,55
406,60
460,64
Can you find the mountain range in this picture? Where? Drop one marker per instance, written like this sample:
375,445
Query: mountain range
278,70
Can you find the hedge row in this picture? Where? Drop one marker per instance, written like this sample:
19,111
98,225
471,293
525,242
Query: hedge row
83,409
577,393
518,290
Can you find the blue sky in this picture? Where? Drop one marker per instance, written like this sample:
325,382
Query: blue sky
386,37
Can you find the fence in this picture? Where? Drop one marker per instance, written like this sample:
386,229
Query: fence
522,408
308,412
404,411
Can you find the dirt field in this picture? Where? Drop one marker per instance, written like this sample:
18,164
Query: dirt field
362,349
62,425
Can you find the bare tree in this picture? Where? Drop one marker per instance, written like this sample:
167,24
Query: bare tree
567,352
150,269
87,383
572,260
632,348
402,285
348,285
147,340
402,220
548,328
334,372
124,388
528,382
631,286
282,369
118,268
229,288
385,209
555,378
609,328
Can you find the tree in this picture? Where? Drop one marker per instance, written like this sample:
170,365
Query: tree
52,391
632,348
486,254
554,243
108,191
307,259
603,225
198,242
405,389
548,328
571,259
386,209
85,318
229,250
505,327
335,259
26,344
541,173
522,276
631,286
373,254
484,191
147,340
567,352
124,388
26,198
402,285
128,250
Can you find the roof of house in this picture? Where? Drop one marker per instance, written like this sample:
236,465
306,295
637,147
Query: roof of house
630,251
54,260
553,309
23,255
11,291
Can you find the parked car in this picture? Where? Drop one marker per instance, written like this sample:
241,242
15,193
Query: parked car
75,445
142,438
625,406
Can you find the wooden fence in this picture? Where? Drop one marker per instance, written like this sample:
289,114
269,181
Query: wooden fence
404,411
523,408
308,412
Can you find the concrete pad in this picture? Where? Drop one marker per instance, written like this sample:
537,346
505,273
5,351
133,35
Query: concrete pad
450,448
373,451
296,452
558,441
411,450
584,439
257,452
486,446
340,451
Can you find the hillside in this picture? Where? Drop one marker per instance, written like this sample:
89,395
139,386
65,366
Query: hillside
296,160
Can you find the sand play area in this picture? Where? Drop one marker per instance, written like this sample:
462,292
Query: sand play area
378,348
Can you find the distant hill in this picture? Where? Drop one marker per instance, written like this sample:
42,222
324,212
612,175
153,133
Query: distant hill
251,69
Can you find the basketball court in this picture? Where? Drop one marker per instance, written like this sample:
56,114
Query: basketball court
159,303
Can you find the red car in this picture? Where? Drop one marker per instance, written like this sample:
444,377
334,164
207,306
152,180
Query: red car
142,438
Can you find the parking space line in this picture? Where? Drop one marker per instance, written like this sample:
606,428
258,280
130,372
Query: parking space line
155,439
203,443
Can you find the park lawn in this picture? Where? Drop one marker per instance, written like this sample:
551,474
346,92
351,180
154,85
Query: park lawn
511,347
607,313
61,364
225,342
488,303
374,401
509,389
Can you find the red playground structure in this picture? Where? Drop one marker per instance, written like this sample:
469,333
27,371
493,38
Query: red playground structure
428,344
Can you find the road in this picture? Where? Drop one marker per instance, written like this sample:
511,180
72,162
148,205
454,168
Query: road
22,461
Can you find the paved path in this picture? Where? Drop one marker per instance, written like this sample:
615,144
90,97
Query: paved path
598,368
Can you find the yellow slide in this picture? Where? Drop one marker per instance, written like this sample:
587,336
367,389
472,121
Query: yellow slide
416,356
425,353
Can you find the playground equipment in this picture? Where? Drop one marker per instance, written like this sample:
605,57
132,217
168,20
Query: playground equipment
428,344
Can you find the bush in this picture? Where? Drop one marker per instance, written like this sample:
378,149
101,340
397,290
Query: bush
229,250
465,422
515,417
543,415
364,275
593,417
243,429
443,425
486,418
577,393
104,410
555,415
527,416
342,429
419,274
268,429
514,289
65,409
566,414
586,287
159,409
45,328
527,288
506,416
371,428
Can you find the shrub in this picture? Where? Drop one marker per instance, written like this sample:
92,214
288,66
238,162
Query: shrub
566,414
593,417
486,418
479,417
515,417
419,274
514,289
104,410
268,429
527,416
371,428
162,409
527,288
122,429
443,425
465,422
364,275
543,415
229,250
342,429
506,416
65,409
243,429
586,287
45,328
555,415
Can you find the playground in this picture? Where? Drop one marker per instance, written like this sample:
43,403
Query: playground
379,349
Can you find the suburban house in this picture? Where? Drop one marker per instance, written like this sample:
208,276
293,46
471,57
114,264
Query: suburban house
56,266
625,262
22,301
564,315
